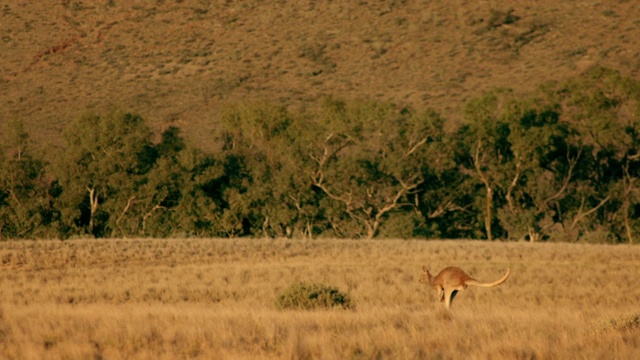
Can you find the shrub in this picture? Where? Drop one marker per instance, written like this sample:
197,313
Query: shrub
630,323
312,296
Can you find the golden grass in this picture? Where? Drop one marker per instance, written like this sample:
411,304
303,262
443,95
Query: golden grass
206,298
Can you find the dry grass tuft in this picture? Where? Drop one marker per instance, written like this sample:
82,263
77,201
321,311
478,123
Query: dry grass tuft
623,324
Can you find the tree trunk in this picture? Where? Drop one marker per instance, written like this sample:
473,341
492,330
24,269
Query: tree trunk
627,226
487,185
534,236
371,231
93,204
629,190
487,219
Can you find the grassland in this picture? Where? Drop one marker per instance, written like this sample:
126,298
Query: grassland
175,61
211,298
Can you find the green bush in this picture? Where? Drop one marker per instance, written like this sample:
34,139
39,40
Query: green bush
312,296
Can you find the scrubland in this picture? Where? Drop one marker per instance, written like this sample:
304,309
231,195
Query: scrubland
175,62
215,299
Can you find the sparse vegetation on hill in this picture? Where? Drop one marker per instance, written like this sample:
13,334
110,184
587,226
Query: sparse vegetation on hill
173,62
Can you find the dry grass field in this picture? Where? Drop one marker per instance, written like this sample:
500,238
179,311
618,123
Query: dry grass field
210,298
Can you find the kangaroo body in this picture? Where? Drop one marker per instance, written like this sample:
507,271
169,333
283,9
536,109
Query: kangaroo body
451,280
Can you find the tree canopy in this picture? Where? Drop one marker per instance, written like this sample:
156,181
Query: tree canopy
560,164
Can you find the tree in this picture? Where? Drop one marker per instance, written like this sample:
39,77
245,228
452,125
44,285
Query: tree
368,158
264,191
154,209
541,169
604,107
191,195
100,169
484,149
446,200
25,190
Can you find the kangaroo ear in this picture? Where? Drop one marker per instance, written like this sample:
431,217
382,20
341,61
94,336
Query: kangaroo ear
424,268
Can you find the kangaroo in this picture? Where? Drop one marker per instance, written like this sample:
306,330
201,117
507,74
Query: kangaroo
451,280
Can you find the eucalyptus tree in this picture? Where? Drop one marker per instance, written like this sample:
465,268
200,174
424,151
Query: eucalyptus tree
368,159
483,148
159,190
541,170
26,209
264,190
100,169
553,160
525,157
161,205
446,201
604,107
187,186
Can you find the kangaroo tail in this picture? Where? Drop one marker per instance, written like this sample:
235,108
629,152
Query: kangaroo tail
475,282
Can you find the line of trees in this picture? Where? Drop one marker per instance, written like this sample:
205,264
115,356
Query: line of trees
560,165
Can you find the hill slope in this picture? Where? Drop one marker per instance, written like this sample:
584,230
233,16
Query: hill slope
174,61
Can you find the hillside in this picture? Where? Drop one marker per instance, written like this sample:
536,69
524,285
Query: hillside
174,61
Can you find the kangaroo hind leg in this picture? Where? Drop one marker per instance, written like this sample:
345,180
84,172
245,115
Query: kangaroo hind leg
449,295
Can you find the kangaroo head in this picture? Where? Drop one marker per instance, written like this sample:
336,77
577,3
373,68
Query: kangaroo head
426,276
